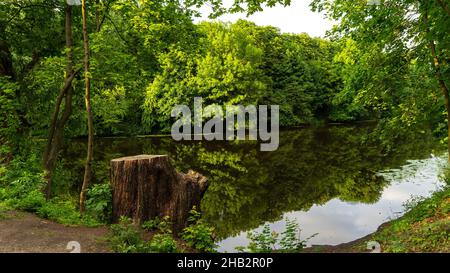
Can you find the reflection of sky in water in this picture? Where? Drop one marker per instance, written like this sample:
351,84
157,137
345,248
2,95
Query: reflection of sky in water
340,222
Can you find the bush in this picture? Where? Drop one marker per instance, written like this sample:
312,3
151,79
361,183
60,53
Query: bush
60,210
263,242
23,185
163,225
199,234
163,243
9,119
126,237
290,238
31,201
267,240
99,202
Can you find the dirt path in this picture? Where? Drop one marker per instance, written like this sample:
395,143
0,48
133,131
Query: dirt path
25,232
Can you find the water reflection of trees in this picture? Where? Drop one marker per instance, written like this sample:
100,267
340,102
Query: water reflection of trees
249,187
310,167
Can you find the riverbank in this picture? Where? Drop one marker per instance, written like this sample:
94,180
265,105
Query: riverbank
425,227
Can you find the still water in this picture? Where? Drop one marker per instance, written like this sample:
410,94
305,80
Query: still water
329,180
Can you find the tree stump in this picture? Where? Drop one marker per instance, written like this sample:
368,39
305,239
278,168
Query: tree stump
147,186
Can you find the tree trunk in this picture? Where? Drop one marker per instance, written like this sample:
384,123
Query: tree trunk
90,146
97,16
56,131
438,73
147,186
444,90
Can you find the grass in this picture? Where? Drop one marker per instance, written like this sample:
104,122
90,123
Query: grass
156,236
3,211
424,228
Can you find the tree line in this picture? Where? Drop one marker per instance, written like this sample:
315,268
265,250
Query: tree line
132,61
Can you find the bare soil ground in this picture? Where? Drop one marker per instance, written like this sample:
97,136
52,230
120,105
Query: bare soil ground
22,232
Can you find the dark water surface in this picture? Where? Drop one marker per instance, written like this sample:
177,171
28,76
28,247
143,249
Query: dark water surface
327,179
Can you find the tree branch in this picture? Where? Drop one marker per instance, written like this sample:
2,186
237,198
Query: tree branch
62,94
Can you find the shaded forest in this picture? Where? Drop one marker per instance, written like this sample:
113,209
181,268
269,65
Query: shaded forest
104,68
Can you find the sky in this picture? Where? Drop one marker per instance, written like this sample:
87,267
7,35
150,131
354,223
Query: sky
296,18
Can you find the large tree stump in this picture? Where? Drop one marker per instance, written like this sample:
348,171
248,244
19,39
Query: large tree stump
147,186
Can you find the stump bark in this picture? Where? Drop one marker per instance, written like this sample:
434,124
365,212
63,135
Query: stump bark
147,186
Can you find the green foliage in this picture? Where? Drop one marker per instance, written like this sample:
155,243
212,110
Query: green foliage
445,175
388,72
148,57
163,225
198,234
23,184
264,241
99,202
127,237
163,243
126,57
3,209
268,241
423,228
418,209
290,238
242,63
9,119
45,80
62,210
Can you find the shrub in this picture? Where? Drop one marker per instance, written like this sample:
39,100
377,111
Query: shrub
99,202
263,241
198,234
23,186
163,225
30,201
62,210
126,237
267,240
163,243
290,238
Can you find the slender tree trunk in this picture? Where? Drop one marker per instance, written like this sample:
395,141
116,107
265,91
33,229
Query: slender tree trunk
102,14
56,130
97,16
443,88
90,146
438,73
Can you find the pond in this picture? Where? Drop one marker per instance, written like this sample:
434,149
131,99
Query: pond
327,179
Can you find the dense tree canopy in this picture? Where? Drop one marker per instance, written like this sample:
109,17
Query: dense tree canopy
242,63
395,60
386,61
149,57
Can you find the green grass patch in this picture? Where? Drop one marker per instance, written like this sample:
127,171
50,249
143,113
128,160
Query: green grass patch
425,227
